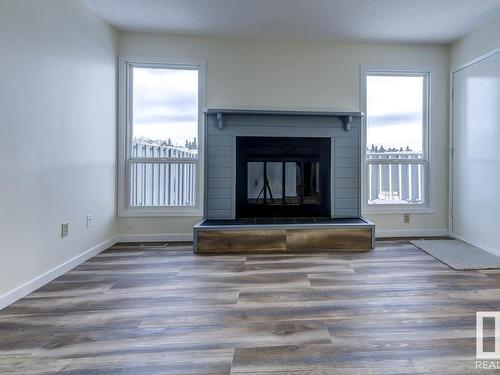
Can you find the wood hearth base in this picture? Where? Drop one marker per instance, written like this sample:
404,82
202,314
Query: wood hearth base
213,237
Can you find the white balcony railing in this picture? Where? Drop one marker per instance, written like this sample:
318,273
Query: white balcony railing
391,182
162,175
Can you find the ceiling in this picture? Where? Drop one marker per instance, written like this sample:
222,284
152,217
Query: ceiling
422,21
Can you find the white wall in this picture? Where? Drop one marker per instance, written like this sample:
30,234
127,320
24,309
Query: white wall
57,144
476,43
244,72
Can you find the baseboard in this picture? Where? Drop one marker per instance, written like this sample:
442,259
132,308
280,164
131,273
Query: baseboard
486,248
39,281
154,237
381,233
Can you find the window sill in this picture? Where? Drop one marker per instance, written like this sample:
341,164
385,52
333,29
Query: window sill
388,210
160,212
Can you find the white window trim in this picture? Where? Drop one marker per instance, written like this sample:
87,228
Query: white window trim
425,207
124,129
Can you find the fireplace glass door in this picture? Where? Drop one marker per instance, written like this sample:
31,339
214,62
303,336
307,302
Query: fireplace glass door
299,180
283,177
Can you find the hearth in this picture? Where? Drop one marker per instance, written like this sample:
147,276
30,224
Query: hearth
282,177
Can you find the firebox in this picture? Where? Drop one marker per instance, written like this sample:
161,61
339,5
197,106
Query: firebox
283,177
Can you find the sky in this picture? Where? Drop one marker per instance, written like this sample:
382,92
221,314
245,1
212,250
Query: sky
394,111
165,104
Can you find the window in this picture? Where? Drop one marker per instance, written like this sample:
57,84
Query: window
161,148
396,163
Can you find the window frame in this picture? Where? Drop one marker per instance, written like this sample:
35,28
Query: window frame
124,209
425,206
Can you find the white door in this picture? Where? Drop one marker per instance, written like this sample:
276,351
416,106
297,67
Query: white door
476,153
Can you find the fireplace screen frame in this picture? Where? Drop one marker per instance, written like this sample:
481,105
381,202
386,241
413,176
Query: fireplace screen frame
283,150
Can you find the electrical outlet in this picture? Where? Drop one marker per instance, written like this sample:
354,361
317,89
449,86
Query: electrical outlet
406,218
89,220
64,229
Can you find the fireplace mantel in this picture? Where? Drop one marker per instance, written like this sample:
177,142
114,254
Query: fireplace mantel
221,154
284,111
345,115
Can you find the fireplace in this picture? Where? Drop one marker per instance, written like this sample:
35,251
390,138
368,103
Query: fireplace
282,180
283,177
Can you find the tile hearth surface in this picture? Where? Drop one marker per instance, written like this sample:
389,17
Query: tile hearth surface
282,220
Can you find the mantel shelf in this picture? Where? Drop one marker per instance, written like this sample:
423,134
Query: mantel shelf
346,116
284,111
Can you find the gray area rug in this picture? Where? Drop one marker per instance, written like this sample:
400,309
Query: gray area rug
459,255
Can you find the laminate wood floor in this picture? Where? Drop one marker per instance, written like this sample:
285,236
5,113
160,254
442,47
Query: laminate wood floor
162,310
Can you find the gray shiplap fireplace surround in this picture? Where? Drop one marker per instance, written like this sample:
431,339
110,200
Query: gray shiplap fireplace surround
224,126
